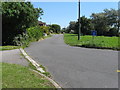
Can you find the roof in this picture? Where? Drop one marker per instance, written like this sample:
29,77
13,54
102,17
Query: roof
40,22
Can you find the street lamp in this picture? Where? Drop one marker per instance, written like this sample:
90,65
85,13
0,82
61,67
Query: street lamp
79,20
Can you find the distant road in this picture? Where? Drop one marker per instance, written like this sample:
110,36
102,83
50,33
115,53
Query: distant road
75,67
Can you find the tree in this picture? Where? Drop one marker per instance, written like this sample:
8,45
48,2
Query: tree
16,18
63,30
55,28
86,26
46,29
105,21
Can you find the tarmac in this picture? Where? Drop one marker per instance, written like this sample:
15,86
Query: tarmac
13,57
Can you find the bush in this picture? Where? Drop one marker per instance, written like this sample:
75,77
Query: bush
55,28
32,34
35,33
16,18
46,29
21,40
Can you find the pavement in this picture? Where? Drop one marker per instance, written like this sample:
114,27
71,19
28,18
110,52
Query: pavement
13,57
75,67
17,56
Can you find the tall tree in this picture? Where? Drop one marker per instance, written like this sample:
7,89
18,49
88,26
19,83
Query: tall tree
106,22
55,28
86,26
16,18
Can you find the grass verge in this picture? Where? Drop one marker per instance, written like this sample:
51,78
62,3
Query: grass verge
31,66
100,42
34,68
8,47
16,76
41,66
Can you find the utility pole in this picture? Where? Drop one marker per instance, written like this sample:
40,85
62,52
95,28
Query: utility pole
119,44
119,16
79,20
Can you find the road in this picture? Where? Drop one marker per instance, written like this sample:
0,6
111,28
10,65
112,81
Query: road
75,67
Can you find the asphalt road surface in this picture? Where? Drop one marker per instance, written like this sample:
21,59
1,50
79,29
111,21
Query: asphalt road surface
75,67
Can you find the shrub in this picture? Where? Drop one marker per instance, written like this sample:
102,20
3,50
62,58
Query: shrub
35,33
16,18
45,29
32,34
22,40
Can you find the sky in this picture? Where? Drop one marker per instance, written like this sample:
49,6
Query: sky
63,12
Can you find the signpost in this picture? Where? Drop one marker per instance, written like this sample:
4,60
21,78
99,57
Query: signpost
94,33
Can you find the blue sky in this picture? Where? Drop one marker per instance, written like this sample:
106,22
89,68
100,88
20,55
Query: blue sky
63,12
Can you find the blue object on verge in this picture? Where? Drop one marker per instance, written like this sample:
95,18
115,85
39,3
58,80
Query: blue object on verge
94,33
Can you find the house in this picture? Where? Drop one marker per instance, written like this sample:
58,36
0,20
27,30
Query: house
41,23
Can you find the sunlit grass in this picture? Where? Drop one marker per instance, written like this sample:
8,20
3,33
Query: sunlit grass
90,41
16,76
8,47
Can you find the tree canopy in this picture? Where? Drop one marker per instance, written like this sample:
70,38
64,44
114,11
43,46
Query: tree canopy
105,23
16,18
55,28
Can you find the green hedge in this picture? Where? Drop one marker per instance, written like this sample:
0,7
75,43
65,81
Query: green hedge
35,33
32,34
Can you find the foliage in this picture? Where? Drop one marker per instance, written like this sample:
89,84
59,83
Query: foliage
88,41
17,17
8,47
105,23
55,28
46,29
72,26
16,76
63,30
86,26
21,40
33,34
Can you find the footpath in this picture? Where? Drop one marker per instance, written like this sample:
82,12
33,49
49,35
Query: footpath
19,56
13,57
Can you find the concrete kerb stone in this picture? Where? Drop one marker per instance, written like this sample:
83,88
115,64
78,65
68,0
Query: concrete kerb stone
52,81
39,69
32,61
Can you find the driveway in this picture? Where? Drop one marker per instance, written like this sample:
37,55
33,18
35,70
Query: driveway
75,67
13,57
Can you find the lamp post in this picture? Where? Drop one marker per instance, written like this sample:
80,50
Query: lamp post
79,20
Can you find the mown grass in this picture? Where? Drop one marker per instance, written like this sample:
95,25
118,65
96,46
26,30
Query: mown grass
16,76
41,66
102,42
8,47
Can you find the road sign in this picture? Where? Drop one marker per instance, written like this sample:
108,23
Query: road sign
94,33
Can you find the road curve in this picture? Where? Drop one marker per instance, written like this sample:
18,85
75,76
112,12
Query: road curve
75,67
